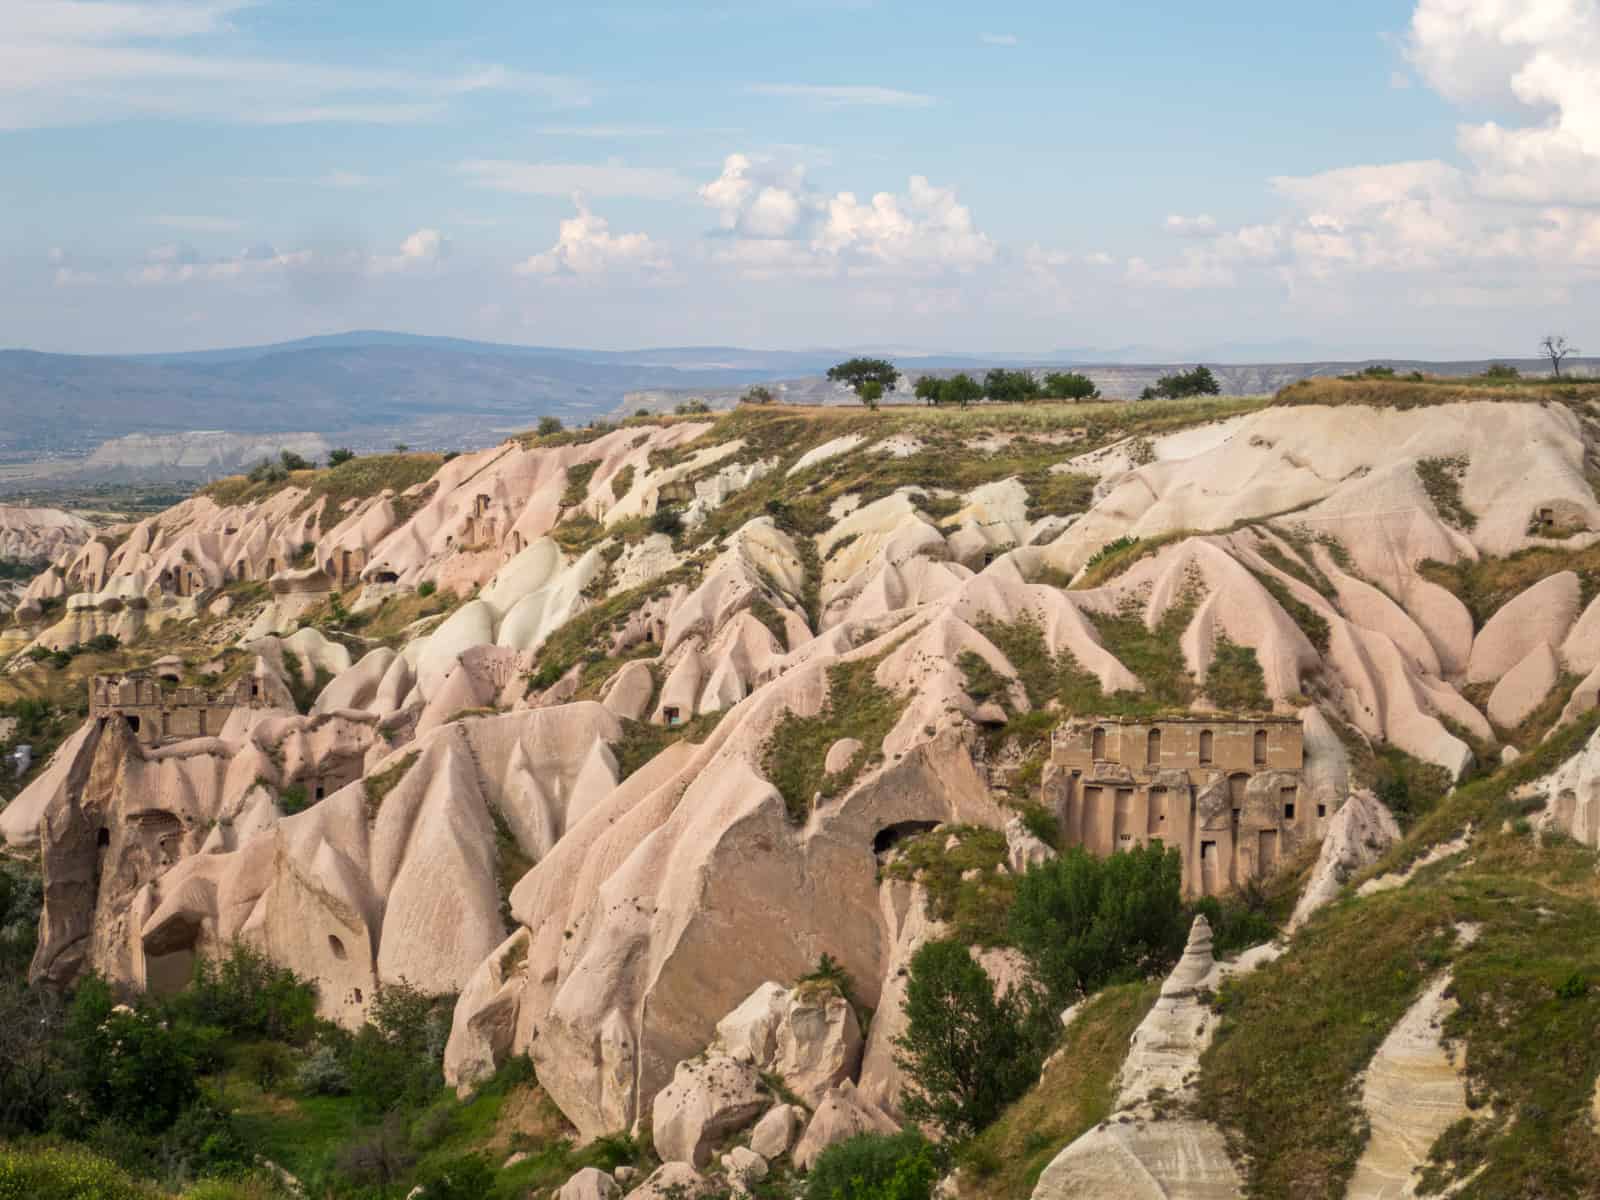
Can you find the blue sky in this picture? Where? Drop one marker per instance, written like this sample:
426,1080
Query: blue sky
1366,178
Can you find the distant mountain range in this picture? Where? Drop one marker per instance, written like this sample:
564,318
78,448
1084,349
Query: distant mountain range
372,388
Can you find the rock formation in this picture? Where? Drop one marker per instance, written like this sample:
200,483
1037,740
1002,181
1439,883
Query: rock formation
612,734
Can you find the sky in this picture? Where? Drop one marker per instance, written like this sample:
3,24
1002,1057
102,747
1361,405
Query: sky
1251,179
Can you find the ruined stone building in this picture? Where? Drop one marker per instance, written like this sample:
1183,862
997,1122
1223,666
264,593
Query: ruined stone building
156,709
1225,792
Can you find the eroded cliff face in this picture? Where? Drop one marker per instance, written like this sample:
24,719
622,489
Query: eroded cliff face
604,779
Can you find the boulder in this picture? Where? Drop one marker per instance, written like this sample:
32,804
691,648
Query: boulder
749,1033
743,1167
589,1184
775,1132
671,1181
818,1042
707,1100
842,1114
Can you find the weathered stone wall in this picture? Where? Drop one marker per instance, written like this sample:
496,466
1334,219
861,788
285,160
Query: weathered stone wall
155,713
1225,793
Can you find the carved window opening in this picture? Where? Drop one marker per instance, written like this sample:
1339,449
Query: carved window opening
1260,751
672,715
1207,740
1152,752
337,948
103,838
1097,744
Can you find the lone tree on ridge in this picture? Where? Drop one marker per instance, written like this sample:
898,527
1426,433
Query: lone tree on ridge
868,378
1555,349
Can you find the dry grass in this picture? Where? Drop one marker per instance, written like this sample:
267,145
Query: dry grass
1407,393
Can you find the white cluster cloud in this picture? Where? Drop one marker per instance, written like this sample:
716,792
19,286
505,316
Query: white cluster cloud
778,222
1517,217
1538,57
585,246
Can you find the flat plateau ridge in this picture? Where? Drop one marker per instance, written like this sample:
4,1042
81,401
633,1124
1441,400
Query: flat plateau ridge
696,678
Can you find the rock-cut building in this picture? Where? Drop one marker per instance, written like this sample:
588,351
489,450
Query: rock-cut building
1225,792
157,710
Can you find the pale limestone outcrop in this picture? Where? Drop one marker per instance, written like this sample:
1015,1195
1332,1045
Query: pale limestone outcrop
1139,1153
1414,1089
1541,615
590,1183
1358,835
349,890
671,1181
1349,472
1580,651
1523,688
1023,850
840,1114
841,754
749,1033
1572,794
742,1167
818,1043
775,1132
707,1100
830,449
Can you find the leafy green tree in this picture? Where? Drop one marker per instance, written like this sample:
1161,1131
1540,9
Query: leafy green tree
875,1166
870,392
692,408
396,1057
1084,922
966,1053
127,1064
858,373
293,462
928,388
340,456
547,426
1181,384
961,389
1010,387
1070,385
757,395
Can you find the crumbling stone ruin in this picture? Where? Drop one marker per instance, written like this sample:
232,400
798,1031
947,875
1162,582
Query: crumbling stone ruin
1225,792
156,709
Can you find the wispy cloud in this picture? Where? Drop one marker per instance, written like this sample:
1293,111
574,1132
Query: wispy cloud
844,95
199,224
563,179
70,62
999,39
603,131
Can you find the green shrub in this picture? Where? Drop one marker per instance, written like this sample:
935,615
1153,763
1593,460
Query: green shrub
128,1064
52,1173
468,1177
247,995
1084,922
1234,680
875,1166
396,1057
427,588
